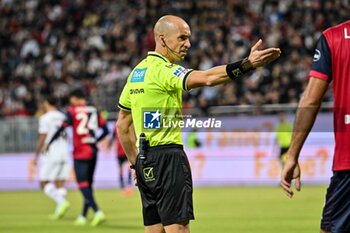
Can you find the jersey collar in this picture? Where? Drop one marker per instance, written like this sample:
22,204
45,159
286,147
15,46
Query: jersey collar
155,54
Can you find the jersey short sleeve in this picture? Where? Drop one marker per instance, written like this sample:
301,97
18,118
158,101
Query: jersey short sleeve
175,77
43,126
124,99
322,62
68,120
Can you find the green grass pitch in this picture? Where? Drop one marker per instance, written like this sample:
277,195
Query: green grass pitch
217,210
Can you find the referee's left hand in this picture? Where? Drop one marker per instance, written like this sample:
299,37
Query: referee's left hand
260,58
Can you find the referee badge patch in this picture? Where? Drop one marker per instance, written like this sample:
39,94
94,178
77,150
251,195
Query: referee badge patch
148,174
138,76
181,72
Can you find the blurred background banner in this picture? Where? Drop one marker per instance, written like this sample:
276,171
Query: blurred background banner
234,165
231,165
245,152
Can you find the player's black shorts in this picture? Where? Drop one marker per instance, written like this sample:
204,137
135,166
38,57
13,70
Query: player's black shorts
84,170
122,159
165,183
336,212
283,151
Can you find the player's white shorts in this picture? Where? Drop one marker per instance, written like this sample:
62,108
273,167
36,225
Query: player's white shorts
52,170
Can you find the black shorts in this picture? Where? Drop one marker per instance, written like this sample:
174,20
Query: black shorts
283,150
165,183
336,211
84,170
122,160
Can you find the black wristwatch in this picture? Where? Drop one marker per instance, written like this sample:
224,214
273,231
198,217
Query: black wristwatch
132,166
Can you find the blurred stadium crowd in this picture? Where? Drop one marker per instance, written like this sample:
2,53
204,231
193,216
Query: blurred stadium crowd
49,47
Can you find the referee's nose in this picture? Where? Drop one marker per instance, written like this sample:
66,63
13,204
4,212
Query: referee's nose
188,43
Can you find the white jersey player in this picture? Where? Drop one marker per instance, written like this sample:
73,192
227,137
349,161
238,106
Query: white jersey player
55,162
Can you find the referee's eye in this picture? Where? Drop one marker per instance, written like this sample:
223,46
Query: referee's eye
183,37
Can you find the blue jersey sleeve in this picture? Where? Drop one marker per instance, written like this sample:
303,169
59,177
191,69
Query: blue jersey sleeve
322,62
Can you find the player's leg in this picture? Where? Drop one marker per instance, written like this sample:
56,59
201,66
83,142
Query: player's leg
62,175
156,228
61,178
81,170
51,191
126,162
99,216
129,176
60,184
48,173
121,177
45,175
178,228
127,189
43,183
336,211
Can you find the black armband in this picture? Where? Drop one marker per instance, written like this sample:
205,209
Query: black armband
237,69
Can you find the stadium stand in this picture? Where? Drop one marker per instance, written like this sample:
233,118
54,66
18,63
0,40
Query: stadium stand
53,46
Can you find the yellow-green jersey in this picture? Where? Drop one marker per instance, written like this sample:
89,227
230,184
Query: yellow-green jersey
284,134
153,94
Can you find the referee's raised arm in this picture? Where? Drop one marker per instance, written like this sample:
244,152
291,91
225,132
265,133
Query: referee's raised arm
172,36
224,73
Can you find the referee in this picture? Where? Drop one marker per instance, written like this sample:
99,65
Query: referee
164,175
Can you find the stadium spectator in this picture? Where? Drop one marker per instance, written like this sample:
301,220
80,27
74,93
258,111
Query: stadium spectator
55,167
331,63
164,175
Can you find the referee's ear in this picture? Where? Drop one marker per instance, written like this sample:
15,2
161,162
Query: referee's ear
163,41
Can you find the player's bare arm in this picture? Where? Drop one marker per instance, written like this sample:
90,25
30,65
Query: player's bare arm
126,135
39,147
307,110
219,74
